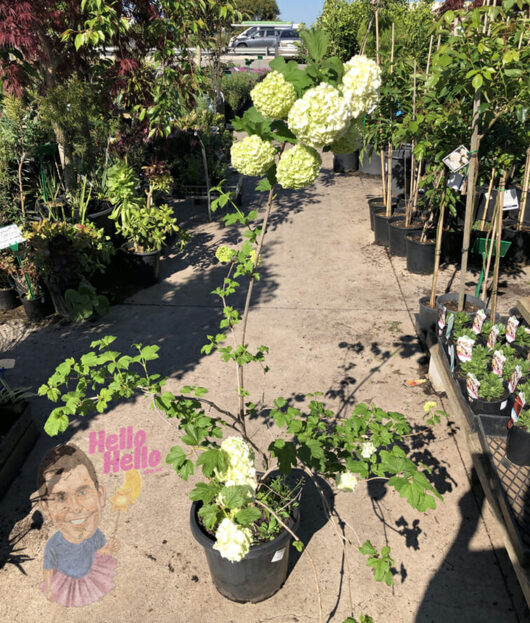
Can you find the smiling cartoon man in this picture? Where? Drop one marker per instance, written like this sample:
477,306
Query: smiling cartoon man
78,567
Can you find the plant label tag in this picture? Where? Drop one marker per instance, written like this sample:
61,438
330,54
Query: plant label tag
441,319
9,236
7,364
492,337
457,159
278,555
497,363
503,405
510,200
464,348
515,378
450,324
511,328
456,181
478,321
519,403
451,351
472,386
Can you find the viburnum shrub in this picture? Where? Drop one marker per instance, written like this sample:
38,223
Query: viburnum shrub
247,494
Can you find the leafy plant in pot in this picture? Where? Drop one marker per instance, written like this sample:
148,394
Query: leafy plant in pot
244,506
492,395
146,231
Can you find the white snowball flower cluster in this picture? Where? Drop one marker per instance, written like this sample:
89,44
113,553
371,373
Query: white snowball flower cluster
349,141
360,84
319,116
274,96
225,254
240,469
346,481
252,155
232,540
367,449
298,167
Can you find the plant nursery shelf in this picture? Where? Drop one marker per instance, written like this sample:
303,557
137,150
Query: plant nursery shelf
506,486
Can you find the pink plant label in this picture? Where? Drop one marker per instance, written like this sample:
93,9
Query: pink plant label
472,386
478,321
492,337
515,378
519,403
464,348
441,319
497,362
511,328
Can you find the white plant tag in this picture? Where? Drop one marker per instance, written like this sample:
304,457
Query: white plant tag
510,200
515,378
472,386
278,555
497,363
478,321
464,348
511,328
10,235
457,159
503,405
7,364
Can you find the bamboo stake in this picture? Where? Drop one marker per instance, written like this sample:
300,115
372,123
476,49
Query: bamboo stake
522,33
524,193
383,177
497,249
428,61
437,251
390,146
408,215
487,3
377,36
488,196
365,40
491,232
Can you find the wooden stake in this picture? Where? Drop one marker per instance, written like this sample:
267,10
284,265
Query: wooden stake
389,181
524,193
438,250
365,40
491,232
408,216
428,61
377,36
488,196
497,249
383,181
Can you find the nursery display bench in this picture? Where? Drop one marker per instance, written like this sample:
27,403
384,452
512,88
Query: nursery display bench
506,485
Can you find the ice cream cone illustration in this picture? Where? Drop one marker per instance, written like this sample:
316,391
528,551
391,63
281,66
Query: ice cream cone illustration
127,494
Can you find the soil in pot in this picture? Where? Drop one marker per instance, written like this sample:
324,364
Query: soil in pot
450,301
518,445
420,255
258,576
397,232
8,298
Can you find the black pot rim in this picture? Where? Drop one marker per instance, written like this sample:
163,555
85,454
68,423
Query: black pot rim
427,243
128,247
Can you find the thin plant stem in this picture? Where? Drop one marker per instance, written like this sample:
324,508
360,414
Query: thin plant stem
286,527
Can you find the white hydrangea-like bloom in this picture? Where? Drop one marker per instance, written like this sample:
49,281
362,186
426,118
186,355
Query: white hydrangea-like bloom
232,540
273,96
360,84
319,116
346,481
252,155
240,469
367,449
349,141
298,167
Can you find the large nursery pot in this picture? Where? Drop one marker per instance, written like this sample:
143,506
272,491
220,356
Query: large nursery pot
100,218
376,204
500,406
519,251
8,298
144,267
381,228
38,308
397,233
346,163
427,316
451,251
420,255
518,445
258,576
450,300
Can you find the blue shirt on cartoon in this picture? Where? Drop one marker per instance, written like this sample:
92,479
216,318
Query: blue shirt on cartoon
72,559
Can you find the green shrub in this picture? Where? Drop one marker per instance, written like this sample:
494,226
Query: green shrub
236,89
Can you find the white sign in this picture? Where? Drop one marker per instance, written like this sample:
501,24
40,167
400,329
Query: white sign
510,200
457,159
10,235
456,181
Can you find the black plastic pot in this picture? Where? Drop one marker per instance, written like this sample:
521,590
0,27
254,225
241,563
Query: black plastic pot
381,228
8,298
427,316
469,300
519,251
397,233
37,309
518,445
420,256
144,268
102,221
500,407
258,576
370,164
451,251
377,205
346,163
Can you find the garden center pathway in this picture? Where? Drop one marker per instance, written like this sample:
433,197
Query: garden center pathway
337,316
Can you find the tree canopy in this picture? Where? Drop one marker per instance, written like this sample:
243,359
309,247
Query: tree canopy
258,9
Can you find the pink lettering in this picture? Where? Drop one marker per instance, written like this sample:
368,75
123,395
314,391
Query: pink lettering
96,442
109,461
139,438
140,457
112,442
126,462
154,458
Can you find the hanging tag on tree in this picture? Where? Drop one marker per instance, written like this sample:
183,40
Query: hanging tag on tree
456,181
457,159
510,200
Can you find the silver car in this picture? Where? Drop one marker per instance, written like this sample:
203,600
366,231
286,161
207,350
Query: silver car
257,37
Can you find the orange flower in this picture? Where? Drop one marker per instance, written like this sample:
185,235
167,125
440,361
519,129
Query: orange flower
121,500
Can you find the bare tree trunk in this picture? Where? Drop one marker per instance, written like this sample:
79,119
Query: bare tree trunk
65,155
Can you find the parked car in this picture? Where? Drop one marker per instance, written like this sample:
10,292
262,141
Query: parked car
287,43
257,37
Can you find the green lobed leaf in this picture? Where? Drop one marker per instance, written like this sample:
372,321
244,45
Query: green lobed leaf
247,515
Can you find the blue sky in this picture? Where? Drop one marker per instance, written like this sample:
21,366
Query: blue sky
300,10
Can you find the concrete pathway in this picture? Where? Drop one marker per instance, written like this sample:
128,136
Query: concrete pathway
337,314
